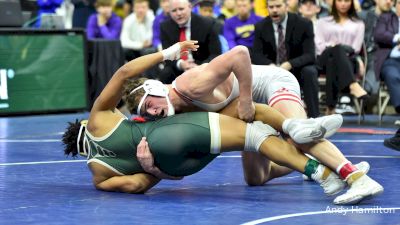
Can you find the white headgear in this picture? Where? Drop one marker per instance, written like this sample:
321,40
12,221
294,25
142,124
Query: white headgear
155,88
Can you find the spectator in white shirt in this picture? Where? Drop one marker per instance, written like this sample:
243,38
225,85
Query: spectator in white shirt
137,33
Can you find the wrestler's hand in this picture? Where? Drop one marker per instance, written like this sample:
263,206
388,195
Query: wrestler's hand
144,155
146,160
246,111
182,48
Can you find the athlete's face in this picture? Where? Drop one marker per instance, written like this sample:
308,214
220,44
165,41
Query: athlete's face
155,107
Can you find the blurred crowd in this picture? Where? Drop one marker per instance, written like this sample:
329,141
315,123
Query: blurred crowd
343,41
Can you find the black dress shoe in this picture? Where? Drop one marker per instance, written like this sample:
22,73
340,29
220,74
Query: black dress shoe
364,97
393,142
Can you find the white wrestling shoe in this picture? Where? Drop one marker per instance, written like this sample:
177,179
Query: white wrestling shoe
363,166
308,130
361,189
333,184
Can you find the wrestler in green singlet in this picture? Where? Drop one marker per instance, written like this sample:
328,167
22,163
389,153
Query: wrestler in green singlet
180,144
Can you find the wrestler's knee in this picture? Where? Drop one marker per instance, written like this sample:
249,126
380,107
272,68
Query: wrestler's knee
241,50
255,181
256,168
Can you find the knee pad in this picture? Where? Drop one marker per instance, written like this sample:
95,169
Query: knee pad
256,133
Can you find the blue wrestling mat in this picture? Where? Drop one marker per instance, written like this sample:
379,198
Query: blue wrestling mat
39,185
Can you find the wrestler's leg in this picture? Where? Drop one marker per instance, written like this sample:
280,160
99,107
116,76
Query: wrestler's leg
257,169
323,150
283,94
259,137
361,185
233,137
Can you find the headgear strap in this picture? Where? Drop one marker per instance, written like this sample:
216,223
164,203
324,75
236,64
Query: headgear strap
155,88
84,150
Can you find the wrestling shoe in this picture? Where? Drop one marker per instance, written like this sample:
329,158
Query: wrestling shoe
362,166
332,184
361,189
308,130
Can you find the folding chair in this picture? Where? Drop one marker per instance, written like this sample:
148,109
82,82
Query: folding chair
383,100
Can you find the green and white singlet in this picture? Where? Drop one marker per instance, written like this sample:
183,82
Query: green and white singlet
181,145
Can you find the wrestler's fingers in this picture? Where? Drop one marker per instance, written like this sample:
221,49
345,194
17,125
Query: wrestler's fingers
141,147
189,45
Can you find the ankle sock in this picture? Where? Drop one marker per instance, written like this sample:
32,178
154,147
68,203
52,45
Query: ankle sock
348,172
316,171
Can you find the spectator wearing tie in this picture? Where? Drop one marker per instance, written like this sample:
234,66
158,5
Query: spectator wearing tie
104,24
286,40
185,25
239,30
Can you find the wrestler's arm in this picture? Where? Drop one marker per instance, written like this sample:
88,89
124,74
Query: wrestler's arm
208,77
112,92
136,184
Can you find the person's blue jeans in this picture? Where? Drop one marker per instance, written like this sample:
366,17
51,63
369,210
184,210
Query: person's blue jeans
390,73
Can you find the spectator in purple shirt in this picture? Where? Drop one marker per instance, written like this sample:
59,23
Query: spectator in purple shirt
239,30
104,24
164,5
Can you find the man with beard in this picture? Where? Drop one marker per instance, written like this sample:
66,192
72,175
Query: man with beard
286,40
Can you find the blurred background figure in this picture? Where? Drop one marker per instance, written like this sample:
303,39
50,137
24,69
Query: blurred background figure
339,40
128,6
239,30
46,6
162,15
104,24
286,40
370,17
387,56
227,10
309,9
261,8
293,6
326,6
83,9
206,9
137,31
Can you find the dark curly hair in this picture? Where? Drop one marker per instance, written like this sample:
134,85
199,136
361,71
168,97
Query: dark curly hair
69,138
132,100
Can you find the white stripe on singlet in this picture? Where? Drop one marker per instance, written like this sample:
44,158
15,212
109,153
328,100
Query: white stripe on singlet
215,132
